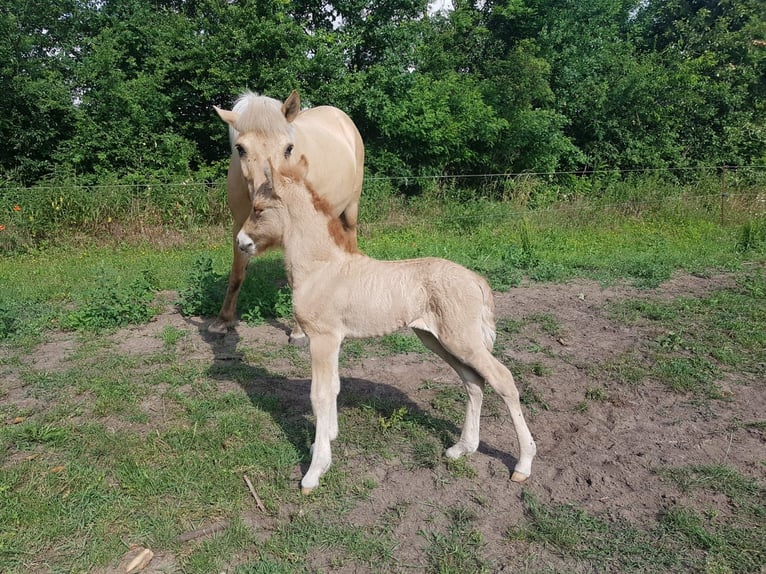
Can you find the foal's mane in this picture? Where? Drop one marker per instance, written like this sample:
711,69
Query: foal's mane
342,237
259,114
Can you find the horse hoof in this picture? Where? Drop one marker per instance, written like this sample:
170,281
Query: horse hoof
301,341
519,476
305,490
218,327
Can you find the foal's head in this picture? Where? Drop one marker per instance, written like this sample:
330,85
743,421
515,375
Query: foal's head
272,204
261,133
288,203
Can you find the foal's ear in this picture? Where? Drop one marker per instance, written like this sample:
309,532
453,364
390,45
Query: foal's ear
295,172
292,106
301,168
228,116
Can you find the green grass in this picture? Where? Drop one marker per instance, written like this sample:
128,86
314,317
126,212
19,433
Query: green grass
684,540
701,338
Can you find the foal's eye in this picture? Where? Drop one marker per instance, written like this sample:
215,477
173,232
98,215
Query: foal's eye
289,150
240,150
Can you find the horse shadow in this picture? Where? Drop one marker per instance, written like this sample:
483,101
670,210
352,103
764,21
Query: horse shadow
287,399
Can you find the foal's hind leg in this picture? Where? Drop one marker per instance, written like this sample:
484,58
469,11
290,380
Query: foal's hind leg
501,379
474,383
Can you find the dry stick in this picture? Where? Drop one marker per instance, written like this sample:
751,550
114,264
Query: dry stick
257,498
200,532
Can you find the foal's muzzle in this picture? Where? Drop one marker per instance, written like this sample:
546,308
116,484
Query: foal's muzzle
245,244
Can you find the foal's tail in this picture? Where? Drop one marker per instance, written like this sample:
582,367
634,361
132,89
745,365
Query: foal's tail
488,332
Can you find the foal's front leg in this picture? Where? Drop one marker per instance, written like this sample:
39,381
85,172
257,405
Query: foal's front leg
325,384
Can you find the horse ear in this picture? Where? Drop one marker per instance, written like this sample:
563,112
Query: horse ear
292,106
228,116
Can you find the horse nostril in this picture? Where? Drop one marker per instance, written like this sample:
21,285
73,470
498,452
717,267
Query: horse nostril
245,243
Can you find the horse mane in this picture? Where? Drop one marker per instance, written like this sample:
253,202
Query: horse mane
342,237
259,114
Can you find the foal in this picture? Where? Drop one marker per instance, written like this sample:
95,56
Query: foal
339,292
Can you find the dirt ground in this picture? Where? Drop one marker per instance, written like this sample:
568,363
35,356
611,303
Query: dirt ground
602,459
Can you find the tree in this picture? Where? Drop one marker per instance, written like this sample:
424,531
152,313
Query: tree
717,53
37,49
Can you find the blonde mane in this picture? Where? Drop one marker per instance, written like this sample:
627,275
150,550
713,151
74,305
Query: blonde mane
259,114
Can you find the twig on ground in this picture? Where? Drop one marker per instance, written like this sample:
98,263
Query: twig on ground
257,498
205,531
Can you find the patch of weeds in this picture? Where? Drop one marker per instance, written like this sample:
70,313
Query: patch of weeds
672,341
171,336
630,310
449,401
597,394
260,298
23,322
397,343
501,278
460,549
752,236
547,322
461,467
528,256
11,319
684,540
732,548
33,433
204,290
540,370
688,375
209,555
647,269
549,272
759,425
563,526
742,491
533,399
344,544
753,284
112,303
426,453
573,532
509,326
394,420
627,369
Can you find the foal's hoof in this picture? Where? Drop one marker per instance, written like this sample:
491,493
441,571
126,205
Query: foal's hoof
305,490
519,476
298,340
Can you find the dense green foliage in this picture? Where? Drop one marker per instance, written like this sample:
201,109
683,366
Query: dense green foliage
122,89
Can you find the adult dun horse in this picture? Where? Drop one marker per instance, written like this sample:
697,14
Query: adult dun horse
339,292
272,132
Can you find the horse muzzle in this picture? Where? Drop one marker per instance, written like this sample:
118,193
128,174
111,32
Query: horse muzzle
245,244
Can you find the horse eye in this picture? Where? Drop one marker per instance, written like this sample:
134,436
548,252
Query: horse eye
289,150
240,150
